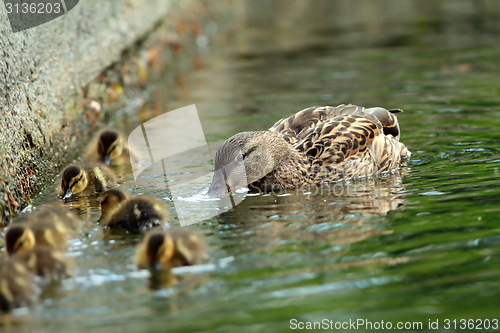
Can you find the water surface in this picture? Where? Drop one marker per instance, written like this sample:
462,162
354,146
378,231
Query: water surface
421,244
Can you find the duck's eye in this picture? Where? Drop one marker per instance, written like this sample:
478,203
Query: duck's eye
240,158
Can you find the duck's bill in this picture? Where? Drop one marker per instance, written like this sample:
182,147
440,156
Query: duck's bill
107,160
226,180
67,194
155,265
218,189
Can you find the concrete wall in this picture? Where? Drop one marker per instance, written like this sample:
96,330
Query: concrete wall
48,74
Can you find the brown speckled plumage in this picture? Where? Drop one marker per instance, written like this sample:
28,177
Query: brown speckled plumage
315,145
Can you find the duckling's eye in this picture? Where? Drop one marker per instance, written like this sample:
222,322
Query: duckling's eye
240,158
19,245
78,180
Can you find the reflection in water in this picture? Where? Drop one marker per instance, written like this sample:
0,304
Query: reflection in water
341,213
180,282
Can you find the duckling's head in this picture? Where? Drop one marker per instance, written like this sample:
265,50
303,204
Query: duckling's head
110,202
19,238
74,180
245,158
109,145
156,251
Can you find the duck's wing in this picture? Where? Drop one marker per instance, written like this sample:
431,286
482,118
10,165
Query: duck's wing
349,146
308,118
291,127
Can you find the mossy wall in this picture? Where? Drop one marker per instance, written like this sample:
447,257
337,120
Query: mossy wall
55,77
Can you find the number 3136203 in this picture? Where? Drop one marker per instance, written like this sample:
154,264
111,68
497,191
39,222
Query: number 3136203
33,8
472,324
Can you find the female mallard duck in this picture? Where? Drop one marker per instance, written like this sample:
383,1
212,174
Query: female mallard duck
120,212
85,179
315,145
110,148
165,249
18,287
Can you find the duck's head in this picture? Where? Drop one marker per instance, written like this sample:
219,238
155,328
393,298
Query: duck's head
156,251
19,238
109,145
245,158
388,120
111,200
73,181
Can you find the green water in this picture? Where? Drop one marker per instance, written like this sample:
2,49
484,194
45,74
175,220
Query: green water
417,246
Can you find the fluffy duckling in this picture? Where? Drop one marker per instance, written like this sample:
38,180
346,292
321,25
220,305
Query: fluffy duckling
19,238
110,148
56,212
23,237
39,239
47,263
85,179
313,146
18,287
110,201
120,212
51,226
166,249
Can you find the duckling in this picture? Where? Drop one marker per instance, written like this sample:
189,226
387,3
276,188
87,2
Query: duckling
38,239
19,238
110,148
120,212
110,201
18,287
165,249
50,226
59,213
85,179
50,264
313,146
24,236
